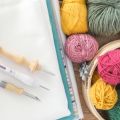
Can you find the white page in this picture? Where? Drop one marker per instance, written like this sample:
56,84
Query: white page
25,30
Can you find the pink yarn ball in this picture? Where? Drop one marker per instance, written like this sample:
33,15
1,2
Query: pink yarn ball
109,67
81,47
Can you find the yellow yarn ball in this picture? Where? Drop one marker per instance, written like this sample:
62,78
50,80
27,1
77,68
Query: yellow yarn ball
74,16
103,95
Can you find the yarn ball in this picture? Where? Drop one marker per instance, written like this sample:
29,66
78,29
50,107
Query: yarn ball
81,47
114,113
109,67
102,95
74,16
104,17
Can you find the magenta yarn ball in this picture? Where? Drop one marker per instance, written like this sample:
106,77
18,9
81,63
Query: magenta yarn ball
109,67
81,47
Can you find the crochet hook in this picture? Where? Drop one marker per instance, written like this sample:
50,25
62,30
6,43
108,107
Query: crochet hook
15,89
26,79
32,65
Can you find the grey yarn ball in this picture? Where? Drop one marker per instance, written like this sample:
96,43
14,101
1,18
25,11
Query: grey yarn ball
104,17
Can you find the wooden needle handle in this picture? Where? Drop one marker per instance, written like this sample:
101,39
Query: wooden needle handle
32,65
13,88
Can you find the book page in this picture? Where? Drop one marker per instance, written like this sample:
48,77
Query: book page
25,30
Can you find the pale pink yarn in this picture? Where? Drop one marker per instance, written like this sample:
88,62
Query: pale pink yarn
109,67
81,47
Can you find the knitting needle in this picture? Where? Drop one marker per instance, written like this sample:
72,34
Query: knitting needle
15,89
26,79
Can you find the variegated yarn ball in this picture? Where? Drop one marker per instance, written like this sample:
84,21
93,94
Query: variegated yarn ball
81,47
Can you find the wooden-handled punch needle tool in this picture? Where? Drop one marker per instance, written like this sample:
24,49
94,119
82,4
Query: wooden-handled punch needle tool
15,89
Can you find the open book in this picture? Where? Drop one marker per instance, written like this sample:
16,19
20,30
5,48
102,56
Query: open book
77,110
27,28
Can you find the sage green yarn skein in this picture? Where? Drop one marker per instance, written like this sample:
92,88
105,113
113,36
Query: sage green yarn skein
104,17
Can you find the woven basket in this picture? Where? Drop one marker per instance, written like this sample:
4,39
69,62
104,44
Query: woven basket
93,64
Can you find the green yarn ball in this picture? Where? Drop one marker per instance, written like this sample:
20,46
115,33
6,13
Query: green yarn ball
114,114
104,17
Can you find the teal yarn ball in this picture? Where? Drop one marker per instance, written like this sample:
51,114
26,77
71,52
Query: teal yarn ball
114,114
104,17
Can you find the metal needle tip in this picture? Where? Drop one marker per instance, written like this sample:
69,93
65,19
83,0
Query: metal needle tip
31,96
48,72
36,98
45,88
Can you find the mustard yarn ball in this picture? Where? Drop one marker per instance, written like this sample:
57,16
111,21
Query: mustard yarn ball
74,16
102,95
104,17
